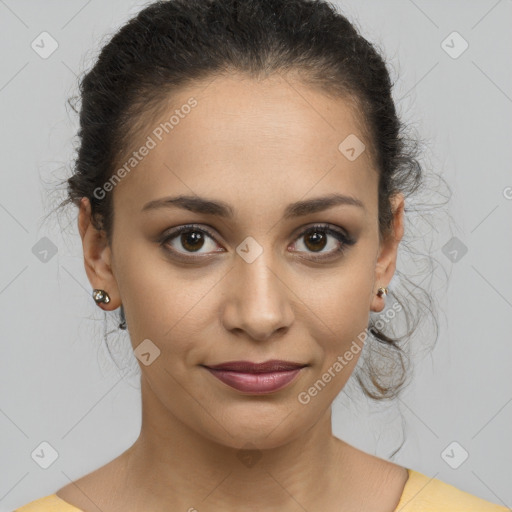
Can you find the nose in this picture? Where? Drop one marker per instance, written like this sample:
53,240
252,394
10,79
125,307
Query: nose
257,300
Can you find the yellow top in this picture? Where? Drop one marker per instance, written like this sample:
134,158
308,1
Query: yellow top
424,494
420,494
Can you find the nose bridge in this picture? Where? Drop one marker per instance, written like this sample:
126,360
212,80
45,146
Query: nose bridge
258,298
262,283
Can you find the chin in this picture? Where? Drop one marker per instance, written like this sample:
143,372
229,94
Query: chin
257,435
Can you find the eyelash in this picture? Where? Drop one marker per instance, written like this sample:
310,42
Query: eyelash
345,240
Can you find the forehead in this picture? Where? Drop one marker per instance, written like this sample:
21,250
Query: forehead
237,138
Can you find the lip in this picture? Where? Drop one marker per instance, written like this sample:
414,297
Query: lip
256,378
256,383
274,365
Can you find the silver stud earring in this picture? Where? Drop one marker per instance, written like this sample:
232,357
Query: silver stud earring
383,291
100,296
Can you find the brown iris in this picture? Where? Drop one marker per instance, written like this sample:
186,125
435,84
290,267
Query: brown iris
317,238
192,240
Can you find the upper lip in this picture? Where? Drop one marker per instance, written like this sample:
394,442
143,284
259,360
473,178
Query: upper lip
273,365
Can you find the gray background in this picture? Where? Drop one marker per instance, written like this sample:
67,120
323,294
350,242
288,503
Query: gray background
57,382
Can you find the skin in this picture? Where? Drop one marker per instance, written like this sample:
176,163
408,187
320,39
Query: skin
258,146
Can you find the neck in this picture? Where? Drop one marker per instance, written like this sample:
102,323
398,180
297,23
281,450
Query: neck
178,465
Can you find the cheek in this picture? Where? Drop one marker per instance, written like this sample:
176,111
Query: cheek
339,310
339,336
163,302
342,325
340,299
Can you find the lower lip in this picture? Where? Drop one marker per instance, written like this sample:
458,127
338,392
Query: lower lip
256,383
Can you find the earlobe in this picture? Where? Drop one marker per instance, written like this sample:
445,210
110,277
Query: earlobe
97,257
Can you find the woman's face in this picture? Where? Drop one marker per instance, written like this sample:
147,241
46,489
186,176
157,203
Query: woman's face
246,283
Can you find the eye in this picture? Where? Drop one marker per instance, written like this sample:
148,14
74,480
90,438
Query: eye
316,238
189,239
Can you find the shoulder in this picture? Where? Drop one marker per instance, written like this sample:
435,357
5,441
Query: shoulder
422,493
50,503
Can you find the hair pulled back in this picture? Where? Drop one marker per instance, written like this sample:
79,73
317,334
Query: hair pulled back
175,42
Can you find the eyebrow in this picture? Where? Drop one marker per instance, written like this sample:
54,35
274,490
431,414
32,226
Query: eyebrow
202,205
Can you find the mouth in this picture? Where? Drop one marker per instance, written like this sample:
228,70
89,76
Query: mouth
256,378
274,365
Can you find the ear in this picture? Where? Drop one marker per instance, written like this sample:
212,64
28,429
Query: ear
97,256
386,261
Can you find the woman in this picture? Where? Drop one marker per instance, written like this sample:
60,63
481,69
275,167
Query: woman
241,184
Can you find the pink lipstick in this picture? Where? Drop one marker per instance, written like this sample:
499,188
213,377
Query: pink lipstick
256,378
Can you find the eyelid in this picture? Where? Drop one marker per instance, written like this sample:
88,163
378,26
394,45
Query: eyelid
322,227
173,232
